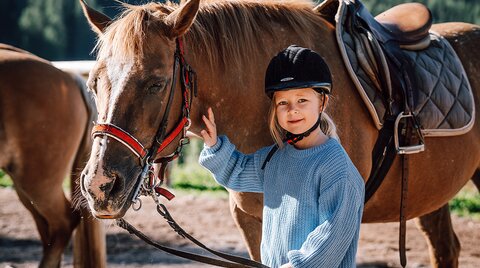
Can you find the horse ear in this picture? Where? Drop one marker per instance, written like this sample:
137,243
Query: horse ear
97,20
328,9
182,18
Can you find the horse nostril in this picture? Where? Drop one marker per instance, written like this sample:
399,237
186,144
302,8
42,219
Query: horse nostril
82,182
118,185
115,186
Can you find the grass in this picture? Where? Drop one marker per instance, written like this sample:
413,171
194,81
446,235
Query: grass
467,202
5,180
193,177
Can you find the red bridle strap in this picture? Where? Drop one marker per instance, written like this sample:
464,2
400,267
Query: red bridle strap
177,131
133,144
120,135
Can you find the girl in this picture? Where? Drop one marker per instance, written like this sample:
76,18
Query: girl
313,194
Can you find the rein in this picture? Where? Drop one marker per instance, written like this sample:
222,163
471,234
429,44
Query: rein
229,260
148,183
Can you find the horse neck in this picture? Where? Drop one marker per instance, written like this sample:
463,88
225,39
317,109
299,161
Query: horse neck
236,93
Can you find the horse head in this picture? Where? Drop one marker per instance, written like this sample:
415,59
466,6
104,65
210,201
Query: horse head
137,83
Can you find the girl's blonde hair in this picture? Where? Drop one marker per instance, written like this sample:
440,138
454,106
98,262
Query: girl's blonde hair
278,133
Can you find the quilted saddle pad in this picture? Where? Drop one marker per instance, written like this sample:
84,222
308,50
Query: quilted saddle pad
444,102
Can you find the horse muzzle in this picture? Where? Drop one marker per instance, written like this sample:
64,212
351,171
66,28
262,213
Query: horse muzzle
107,192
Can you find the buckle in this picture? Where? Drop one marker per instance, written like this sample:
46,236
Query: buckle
408,149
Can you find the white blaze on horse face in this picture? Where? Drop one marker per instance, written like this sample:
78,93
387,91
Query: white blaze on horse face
97,179
118,74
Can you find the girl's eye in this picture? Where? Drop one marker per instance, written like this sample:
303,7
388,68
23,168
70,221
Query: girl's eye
281,103
302,100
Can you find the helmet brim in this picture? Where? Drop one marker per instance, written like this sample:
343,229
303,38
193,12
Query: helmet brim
324,88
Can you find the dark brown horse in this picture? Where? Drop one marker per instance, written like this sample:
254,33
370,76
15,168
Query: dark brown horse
229,44
44,137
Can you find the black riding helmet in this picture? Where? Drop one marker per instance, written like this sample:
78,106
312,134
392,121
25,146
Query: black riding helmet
297,67
293,68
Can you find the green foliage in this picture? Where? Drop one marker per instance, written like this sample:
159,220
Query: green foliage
193,176
442,10
5,180
466,203
43,27
57,29
188,174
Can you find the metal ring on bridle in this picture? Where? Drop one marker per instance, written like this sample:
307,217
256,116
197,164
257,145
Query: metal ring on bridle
139,202
188,124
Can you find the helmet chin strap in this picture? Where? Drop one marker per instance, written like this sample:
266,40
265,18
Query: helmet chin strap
294,138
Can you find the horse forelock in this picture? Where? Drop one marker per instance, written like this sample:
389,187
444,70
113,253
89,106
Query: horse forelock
224,31
124,39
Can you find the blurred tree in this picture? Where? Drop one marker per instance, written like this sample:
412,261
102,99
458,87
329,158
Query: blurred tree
42,27
57,29
442,10
10,11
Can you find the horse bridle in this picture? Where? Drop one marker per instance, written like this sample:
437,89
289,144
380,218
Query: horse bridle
149,156
146,182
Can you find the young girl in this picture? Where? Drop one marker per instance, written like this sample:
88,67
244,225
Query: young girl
313,194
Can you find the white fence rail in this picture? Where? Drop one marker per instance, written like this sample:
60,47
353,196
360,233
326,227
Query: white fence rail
81,67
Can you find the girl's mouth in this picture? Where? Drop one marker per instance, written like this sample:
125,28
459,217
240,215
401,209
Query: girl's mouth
294,121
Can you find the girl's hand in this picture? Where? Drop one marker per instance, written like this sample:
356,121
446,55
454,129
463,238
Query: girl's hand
286,265
210,134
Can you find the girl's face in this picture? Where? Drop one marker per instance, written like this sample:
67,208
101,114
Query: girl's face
297,110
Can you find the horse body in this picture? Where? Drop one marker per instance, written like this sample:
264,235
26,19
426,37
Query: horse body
44,120
230,44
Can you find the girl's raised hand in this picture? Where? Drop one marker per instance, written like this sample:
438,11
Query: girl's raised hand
210,134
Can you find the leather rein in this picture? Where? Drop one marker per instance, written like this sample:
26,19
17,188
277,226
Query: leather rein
149,184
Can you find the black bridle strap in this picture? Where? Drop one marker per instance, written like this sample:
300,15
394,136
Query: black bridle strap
234,261
160,135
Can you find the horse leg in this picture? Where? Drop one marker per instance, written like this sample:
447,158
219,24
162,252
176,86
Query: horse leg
53,218
476,179
89,246
250,227
443,244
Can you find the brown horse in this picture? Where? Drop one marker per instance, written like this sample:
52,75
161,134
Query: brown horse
44,137
229,44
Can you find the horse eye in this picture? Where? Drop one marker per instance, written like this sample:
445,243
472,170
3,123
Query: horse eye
156,87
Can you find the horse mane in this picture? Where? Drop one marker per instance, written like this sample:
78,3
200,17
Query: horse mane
224,31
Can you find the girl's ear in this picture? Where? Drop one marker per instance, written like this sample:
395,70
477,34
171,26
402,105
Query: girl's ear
323,102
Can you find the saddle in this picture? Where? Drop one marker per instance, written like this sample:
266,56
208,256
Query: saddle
405,24
399,66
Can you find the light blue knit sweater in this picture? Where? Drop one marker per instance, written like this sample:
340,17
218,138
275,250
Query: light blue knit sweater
313,200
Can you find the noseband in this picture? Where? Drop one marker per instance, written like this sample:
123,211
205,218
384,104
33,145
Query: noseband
161,140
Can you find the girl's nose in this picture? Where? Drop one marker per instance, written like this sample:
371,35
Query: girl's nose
293,110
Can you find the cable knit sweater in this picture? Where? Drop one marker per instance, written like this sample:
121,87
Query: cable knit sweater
313,200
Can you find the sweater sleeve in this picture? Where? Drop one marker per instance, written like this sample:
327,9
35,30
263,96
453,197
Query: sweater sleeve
231,168
327,245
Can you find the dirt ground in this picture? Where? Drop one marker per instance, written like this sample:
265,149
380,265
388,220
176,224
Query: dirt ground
208,219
